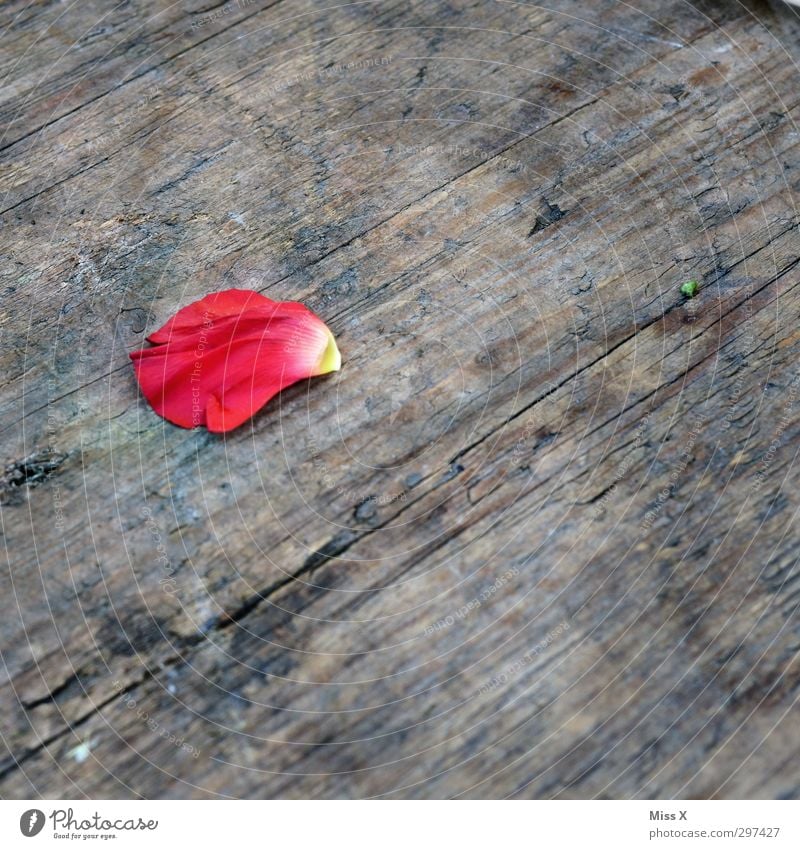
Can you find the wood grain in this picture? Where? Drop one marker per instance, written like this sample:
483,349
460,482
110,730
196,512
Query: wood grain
537,538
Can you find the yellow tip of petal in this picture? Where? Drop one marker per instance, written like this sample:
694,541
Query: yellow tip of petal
331,358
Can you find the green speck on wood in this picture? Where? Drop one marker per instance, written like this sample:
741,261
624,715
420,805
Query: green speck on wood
690,288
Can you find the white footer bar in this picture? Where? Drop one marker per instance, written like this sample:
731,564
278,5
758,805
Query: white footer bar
389,824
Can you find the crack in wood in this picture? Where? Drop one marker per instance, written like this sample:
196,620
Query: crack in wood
132,79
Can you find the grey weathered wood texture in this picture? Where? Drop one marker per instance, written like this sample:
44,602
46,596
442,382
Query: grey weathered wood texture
538,537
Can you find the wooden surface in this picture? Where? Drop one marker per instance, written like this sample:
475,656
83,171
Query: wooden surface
538,538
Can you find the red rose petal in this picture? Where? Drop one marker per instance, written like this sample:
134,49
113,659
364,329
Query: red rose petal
219,360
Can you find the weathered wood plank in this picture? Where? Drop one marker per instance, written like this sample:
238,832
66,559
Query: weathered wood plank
499,246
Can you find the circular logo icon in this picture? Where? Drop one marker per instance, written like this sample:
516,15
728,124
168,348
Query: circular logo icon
31,822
